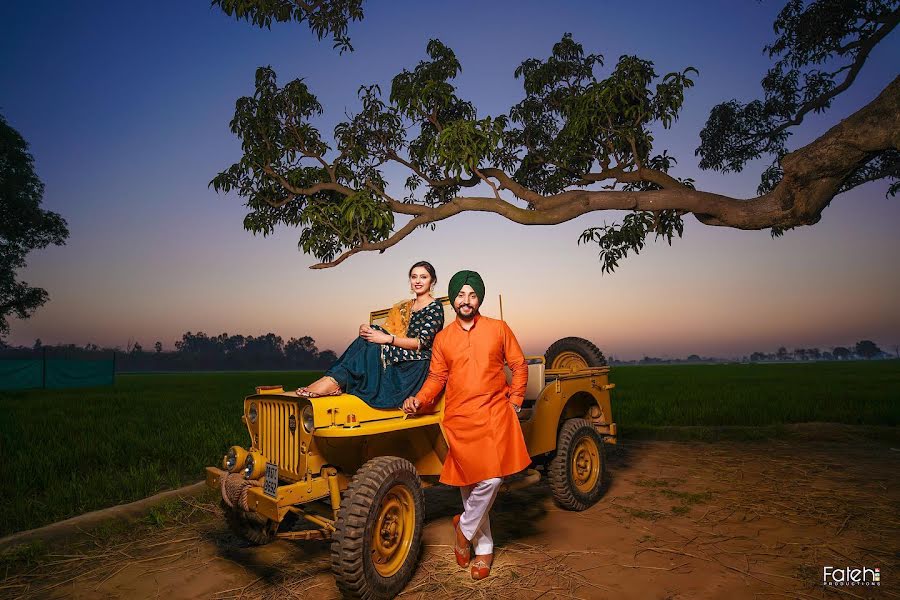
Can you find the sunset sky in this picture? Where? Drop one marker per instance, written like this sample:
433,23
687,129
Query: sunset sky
126,109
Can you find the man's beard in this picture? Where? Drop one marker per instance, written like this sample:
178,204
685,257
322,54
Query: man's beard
458,310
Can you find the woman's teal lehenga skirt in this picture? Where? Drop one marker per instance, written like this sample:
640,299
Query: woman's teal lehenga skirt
359,372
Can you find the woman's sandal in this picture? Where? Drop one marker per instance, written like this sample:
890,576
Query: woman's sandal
480,569
304,392
462,555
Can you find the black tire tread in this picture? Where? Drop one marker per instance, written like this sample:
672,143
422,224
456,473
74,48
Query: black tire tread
348,542
592,355
558,474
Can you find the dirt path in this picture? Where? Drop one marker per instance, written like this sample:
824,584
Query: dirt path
679,520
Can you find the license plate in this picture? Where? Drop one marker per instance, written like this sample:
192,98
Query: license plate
270,487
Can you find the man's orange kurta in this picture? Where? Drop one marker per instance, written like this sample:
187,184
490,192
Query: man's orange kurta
481,427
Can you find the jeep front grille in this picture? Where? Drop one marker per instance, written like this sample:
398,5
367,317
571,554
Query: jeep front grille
276,441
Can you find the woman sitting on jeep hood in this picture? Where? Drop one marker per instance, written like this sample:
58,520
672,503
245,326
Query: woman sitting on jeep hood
386,365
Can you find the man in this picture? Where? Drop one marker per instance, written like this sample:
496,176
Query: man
480,423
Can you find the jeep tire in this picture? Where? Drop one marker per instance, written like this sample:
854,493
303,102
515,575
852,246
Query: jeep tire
573,352
577,472
378,535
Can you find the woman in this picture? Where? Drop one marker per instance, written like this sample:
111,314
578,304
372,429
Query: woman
386,365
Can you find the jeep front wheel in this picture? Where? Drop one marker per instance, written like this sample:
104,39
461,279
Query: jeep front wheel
378,533
577,471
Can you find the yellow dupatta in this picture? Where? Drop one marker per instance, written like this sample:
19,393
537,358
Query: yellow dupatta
398,318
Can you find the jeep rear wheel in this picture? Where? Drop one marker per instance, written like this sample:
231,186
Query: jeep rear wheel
577,471
378,533
573,353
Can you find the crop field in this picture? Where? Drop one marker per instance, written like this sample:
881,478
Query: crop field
65,452
854,393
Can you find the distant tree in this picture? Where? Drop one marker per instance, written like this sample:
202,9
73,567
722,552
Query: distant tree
38,344
158,347
326,359
782,353
867,349
650,360
200,344
800,354
841,353
262,351
827,356
232,343
757,356
896,348
693,358
301,352
814,353
24,226
91,347
581,141
136,349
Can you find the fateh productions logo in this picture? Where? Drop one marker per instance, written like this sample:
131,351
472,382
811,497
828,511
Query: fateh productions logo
851,576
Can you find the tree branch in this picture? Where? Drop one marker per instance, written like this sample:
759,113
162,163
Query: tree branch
507,182
318,187
471,182
484,178
813,175
854,68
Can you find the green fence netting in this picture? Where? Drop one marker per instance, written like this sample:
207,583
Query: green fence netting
55,373
21,374
63,373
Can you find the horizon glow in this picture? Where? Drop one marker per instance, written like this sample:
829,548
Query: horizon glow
126,110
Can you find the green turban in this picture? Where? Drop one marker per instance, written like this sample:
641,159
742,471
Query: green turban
466,278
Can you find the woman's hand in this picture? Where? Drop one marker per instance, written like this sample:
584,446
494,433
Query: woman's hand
375,336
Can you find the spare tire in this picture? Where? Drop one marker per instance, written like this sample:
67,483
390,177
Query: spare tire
574,353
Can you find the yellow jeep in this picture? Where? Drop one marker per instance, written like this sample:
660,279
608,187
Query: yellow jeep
355,474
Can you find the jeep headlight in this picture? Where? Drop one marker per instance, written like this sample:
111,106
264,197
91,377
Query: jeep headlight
254,465
252,413
307,418
234,459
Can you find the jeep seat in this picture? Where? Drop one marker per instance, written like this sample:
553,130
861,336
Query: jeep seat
536,382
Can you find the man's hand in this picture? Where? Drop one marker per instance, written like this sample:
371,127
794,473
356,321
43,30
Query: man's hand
411,405
515,406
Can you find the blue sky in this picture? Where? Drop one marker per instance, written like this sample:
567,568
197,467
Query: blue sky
126,107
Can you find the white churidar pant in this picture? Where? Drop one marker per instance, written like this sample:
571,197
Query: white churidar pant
475,523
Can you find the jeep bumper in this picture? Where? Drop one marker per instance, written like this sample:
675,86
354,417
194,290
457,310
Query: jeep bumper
326,485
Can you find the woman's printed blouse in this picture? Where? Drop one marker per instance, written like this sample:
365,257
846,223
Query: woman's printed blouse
423,324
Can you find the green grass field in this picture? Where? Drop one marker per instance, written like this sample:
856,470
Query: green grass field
65,452
855,393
